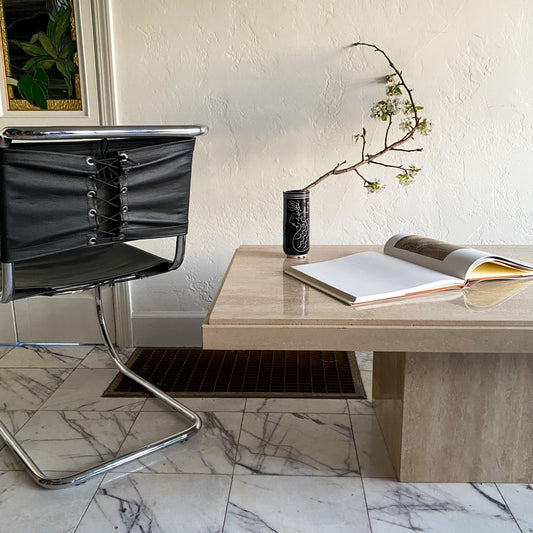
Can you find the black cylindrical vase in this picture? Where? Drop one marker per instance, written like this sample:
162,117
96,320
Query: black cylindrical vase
296,223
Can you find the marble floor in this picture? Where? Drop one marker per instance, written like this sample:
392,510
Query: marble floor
258,465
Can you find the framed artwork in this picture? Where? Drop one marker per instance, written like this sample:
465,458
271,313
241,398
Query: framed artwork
40,55
57,66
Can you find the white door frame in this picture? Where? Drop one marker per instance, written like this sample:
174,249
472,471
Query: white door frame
98,69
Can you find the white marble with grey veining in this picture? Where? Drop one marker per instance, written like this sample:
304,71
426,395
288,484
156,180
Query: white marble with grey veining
74,440
364,360
371,449
210,451
366,377
28,388
360,407
307,464
26,508
83,390
99,357
296,504
45,356
158,503
437,507
296,405
14,421
519,498
8,461
199,404
4,350
296,444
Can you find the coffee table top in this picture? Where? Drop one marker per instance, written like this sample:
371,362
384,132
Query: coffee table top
259,307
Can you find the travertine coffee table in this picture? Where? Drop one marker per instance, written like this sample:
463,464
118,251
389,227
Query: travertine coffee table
453,371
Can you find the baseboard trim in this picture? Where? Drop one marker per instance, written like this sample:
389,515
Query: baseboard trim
168,329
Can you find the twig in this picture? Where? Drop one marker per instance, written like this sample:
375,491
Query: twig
388,129
395,146
398,73
367,182
385,165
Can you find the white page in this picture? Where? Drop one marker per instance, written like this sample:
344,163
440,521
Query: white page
369,274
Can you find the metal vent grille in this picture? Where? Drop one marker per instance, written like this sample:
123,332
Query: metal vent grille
243,373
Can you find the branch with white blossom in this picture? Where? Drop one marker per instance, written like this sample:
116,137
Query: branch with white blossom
385,110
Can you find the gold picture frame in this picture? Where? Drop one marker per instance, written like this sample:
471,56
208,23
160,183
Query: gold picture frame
40,56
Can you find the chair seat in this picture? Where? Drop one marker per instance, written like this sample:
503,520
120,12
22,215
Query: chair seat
82,267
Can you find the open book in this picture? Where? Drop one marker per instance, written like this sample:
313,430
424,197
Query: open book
409,265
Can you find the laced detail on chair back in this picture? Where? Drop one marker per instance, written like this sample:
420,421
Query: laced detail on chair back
57,197
108,196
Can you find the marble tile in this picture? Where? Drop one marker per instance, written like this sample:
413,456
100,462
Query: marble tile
158,503
366,377
199,404
4,350
364,360
69,441
99,357
296,405
83,389
27,508
296,504
211,451
13,420
436,507
519,498
371,450
45,356
360,407
296,444
28,389
8,461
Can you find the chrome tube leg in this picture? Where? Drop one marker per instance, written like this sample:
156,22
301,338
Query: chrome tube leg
8,285
81,477
187,413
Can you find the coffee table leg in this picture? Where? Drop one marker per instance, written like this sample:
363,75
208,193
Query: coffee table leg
456,417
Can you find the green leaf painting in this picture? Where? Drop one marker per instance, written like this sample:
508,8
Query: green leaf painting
33,87
41,51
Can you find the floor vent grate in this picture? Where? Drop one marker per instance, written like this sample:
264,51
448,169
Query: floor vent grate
243,373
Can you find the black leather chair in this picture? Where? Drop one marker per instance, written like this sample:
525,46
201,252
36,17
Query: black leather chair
71,201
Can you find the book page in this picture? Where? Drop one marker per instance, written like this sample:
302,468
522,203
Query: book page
437,255
458,261
495,269
372,275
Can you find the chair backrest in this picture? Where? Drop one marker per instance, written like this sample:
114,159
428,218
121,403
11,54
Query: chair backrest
59,196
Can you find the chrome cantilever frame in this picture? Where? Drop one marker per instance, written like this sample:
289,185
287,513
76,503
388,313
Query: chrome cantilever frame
81,477
8,287
179,253
9,134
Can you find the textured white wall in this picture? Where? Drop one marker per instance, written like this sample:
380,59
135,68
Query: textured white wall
282,94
